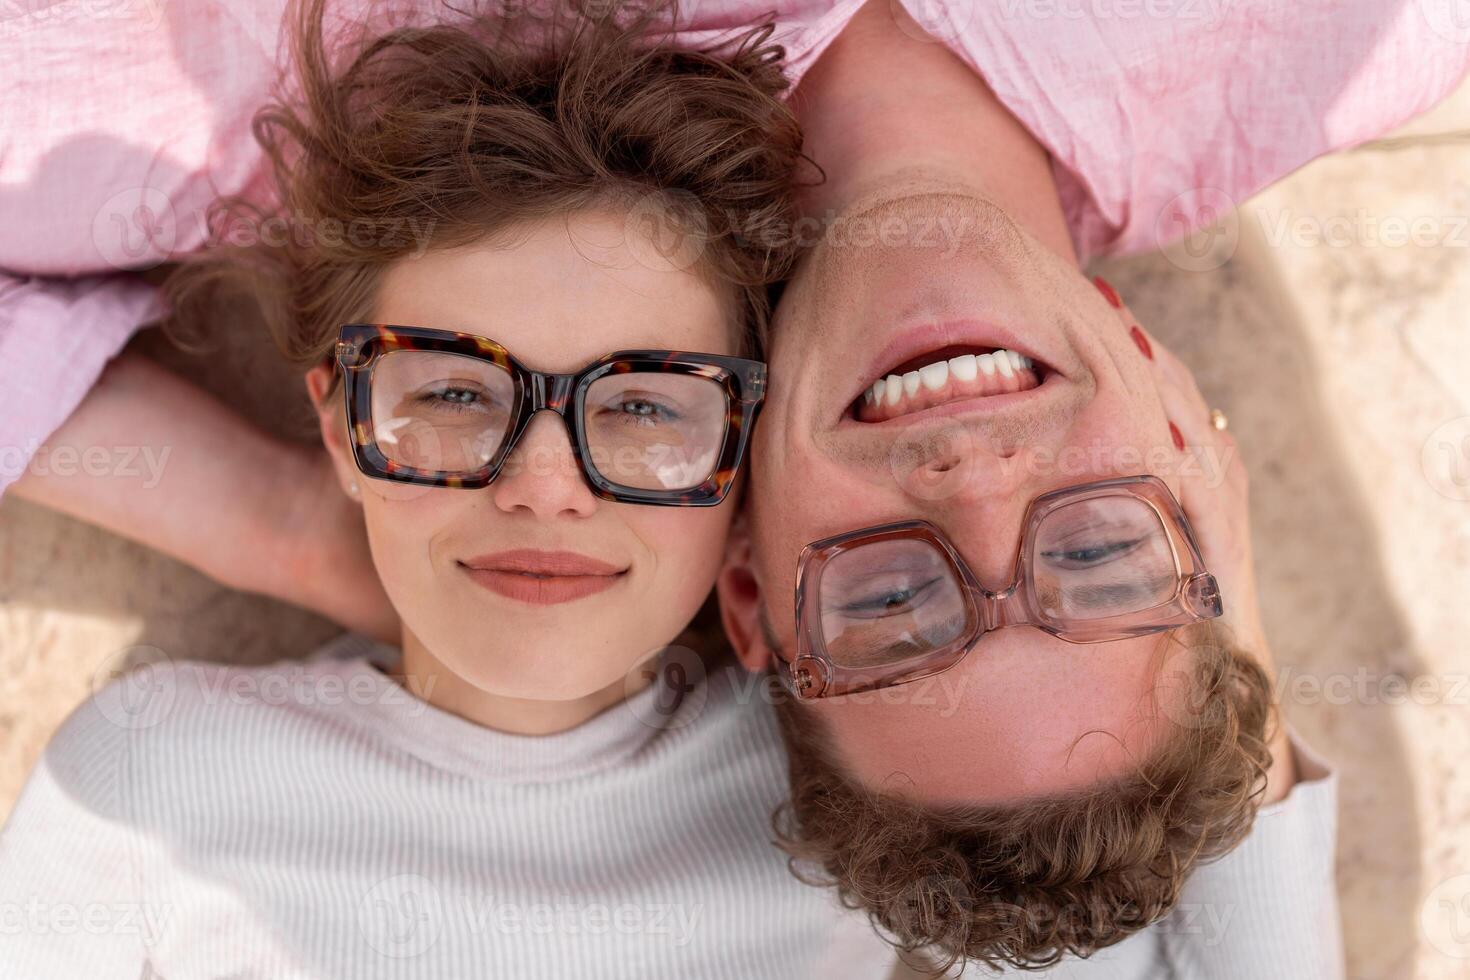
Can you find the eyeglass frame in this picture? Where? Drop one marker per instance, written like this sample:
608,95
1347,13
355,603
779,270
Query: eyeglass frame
361,345
812,674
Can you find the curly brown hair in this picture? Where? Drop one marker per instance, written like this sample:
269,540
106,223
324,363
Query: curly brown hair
1025,884
472,127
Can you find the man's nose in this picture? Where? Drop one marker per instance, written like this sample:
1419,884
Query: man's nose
979,500
950,468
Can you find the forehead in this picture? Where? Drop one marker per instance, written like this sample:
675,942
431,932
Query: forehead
1022,716
560,291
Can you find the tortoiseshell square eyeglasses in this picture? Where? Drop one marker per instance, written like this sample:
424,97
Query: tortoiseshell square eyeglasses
445,409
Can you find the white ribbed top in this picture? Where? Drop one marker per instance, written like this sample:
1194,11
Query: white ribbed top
314,819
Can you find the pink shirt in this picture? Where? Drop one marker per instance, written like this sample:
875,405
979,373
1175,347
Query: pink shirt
121,127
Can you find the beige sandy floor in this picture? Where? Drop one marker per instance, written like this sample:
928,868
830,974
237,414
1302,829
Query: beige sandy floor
1343,361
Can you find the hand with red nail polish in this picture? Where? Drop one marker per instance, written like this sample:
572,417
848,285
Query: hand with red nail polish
1109,293
1142,342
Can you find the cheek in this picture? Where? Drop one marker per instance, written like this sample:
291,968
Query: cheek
777,546
402,528
1131,428
685,545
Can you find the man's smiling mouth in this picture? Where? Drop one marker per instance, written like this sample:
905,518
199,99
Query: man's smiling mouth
950,374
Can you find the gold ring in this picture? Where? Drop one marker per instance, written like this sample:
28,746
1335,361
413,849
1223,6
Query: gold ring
1218,420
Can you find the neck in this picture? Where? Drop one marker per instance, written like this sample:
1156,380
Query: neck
881,106
427,678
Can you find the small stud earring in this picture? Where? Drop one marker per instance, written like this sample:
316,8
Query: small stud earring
352,488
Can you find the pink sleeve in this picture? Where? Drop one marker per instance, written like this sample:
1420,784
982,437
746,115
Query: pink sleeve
121,127
56,336
1161,114
1139,101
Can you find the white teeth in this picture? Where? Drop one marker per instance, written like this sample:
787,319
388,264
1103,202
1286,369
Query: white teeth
894,388
935,376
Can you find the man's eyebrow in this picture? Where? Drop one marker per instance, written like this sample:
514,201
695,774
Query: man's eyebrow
901,648
1095,596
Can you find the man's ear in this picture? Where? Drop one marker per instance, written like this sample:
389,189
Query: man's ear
332,419
740,599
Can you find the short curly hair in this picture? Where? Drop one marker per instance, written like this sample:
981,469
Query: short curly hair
1025,884
475,125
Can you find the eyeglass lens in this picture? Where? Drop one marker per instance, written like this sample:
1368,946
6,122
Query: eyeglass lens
645,429
894,600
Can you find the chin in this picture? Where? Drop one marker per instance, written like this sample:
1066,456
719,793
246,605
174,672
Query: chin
532,674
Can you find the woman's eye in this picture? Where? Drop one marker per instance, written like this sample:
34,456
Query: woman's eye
643,411
1092,555
453,398
640,407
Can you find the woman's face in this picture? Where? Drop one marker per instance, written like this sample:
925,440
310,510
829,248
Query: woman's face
533,587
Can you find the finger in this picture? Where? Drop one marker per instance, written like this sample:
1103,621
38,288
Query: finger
1210,459
1176,372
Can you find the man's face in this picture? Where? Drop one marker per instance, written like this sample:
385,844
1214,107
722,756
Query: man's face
946,274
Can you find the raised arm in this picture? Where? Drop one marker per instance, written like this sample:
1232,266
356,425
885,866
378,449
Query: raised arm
153,458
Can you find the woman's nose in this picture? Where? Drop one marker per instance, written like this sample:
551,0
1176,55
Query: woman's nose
541,475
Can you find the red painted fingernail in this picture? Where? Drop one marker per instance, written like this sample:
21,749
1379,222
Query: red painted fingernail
1108,292
1142,342
1178,436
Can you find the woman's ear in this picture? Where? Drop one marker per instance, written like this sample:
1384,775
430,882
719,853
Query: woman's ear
740,599
332,418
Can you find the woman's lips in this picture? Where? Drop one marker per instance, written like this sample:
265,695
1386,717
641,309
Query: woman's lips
542,578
